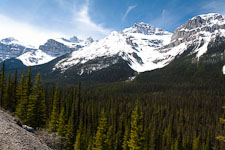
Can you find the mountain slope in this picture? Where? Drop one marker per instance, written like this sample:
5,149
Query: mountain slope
198,32
136,45
15,137
52,49
141,48
187,68
12,48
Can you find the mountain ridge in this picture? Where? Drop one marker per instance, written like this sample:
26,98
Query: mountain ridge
142,47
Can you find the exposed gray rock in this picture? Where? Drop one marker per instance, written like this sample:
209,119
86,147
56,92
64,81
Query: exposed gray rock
208,23
9,48
89,41
14,137
54,48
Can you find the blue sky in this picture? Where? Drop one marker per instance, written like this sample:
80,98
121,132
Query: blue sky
38,20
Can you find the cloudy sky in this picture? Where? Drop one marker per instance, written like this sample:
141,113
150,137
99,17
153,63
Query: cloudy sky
34,21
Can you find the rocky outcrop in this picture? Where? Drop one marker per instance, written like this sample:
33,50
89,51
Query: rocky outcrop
11,48
14,137
199,24
54,48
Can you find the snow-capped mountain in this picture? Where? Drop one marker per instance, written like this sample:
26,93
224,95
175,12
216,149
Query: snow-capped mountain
52,49
146,48
35,57
137,45
11,48
139,48
198,32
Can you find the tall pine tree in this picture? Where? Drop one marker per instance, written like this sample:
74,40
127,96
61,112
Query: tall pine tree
21,96
101,134
2,83
55,112
136,134
36,109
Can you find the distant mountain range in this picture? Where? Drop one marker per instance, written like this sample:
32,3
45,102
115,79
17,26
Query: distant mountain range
53,48
122,55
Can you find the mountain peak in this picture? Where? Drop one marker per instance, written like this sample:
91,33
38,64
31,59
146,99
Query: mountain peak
205,20
145,28
8,40
209,16
89,40
74,39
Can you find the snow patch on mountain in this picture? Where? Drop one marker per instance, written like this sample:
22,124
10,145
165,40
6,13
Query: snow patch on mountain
13,41
36,57
199,32
147,48
137,45
73,42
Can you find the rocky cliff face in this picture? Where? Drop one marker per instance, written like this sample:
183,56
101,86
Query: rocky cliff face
136,45
55,49
203,24
11,48
197,34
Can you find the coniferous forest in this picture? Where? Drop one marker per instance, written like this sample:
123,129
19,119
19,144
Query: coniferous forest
113,117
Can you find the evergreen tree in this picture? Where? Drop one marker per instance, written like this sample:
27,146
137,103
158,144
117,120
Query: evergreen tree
36,109
153,139
90,144
14,92
196,143
101,134
70,134
136,134
61,130
2,83
177,144
29,82
222,120
79,142
7,99
55,112
22,101
125,138
26,87
109,139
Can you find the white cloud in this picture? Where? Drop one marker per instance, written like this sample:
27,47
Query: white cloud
85,26
216,6
24,32
80,24
129,9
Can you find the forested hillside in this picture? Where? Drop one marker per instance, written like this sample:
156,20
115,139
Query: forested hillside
120,116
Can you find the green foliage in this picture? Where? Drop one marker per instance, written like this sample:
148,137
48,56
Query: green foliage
125,138
61,124
101,134
7,99
36,109
196,143
79,143
55,112
136,134
22,99
177,111
2,83
70,134
222,120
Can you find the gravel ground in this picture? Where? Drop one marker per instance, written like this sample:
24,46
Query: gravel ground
14,137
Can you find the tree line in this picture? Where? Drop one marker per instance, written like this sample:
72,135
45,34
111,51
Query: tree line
104,119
